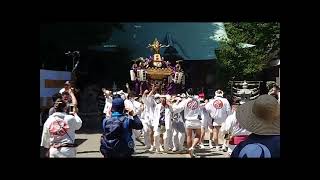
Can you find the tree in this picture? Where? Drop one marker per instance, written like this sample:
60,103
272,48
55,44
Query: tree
235,60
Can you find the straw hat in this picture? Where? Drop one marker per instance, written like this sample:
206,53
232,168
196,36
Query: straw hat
260,116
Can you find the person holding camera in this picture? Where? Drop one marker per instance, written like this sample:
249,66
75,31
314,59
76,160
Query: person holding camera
67,86
70,99
116,140
58,135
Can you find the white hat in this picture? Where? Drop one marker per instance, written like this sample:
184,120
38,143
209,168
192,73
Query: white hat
123,96
157,95
219,93
167,96
162,96
183,95
260,116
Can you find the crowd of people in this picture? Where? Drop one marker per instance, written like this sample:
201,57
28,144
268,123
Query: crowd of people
166,122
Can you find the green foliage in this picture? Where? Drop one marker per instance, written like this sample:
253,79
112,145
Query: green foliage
244,63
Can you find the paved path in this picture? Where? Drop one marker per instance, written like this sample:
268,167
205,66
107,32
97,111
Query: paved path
90,142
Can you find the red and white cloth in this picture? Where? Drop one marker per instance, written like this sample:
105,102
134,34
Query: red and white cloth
219,109
60,129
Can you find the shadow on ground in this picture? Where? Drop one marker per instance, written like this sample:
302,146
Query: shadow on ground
89,131
140,157
83,152
78,142
206,155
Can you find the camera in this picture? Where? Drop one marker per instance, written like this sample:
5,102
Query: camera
71,109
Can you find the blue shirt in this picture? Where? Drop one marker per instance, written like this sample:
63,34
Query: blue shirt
258,146
126,143
135,123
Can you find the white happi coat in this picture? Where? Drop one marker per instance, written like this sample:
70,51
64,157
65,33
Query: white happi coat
150,104
219,109
167,117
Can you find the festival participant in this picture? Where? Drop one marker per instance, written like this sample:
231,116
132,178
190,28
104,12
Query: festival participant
162,123
149,100
205,122
179,131
232,132
193,115
108,103
219,109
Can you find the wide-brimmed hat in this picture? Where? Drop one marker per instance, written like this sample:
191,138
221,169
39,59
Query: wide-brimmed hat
260,116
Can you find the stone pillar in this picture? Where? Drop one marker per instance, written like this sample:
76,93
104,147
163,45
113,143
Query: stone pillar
279,77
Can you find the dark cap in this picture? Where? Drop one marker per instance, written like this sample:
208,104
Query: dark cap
117,105
65,93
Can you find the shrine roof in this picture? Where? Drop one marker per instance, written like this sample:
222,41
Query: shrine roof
192,41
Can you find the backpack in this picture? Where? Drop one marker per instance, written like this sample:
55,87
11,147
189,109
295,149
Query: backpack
116,139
